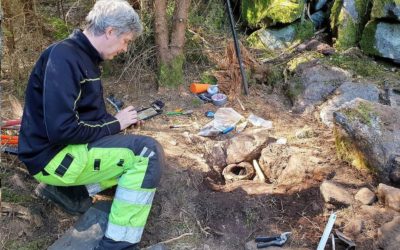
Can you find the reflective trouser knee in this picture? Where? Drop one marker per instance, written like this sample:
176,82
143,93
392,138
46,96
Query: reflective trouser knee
132,162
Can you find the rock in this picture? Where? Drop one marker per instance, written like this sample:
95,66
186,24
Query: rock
389,235
381,39
335,194
290,166
318,18
347,21
247,146
388,9
216,155
346,92
237,172
317,82
273,38
354,227
365,196
376,214
394,175
368,135
270,11
389,196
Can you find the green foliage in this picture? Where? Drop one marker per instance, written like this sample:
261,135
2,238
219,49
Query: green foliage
171,74
207,77
367,42
335,12
210,17
361,66
61,30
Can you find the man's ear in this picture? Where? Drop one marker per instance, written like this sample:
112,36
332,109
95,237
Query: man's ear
108,32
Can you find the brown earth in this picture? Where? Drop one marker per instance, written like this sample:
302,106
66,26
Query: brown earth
186,212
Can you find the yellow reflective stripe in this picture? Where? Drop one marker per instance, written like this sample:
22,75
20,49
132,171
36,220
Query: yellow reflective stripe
89,80
98,125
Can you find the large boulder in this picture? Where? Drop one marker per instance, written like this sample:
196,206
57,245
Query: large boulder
382,39
247,146
290,166
389,235
348,18
388,9
314,85
368,135
346,92
257,12
273,38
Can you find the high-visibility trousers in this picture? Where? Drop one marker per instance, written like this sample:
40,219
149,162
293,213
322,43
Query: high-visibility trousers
132,162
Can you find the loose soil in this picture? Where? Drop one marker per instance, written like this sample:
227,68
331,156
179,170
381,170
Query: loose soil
186,212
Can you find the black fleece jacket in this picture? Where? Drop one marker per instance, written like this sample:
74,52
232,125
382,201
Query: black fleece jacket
64,102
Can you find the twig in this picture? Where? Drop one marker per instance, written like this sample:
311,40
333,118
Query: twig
240,103
202,38
174,239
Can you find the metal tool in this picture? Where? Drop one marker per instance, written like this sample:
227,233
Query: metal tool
278,241
237,48
327,232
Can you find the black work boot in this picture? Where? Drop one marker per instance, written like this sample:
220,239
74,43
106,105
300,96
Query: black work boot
109,244
74,200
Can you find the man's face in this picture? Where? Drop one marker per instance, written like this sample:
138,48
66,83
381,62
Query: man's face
115,44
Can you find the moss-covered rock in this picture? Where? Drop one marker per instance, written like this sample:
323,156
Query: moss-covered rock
367,135
382,39
348,18
254,11
367,42
265,12
389,9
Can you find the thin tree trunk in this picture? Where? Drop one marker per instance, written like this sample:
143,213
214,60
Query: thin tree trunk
181,13
161,30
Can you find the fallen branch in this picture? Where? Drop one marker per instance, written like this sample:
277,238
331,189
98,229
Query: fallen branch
259,172
174,239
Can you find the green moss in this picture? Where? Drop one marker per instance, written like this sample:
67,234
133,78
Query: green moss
378,8
361,66
302,58
348,152
335,12
12,196
254,11
285,11
171,74
60,29
275,75
367,42
347,34
304,30
348,31
363,113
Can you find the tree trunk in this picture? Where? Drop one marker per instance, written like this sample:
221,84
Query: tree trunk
170,49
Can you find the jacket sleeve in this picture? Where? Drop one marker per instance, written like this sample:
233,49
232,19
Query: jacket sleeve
62,90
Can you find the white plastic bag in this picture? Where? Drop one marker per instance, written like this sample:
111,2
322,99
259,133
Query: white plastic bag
224,118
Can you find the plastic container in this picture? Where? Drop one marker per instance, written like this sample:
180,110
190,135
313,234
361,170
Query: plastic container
197,88
219,99
212,89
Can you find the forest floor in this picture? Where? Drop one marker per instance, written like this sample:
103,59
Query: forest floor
186,212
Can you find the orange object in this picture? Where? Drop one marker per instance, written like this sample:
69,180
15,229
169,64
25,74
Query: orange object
197,88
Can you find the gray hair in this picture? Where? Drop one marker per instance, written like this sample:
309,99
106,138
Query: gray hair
117,14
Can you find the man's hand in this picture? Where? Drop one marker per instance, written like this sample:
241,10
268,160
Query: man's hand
127,117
